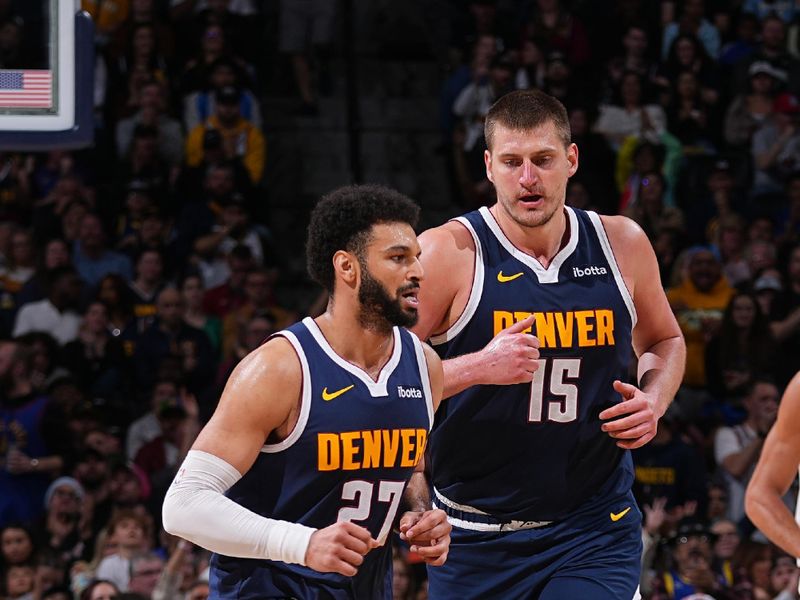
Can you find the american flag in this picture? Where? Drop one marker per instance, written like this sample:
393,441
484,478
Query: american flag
26,89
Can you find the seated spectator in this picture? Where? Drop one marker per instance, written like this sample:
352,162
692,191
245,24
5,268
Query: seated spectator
145,572
147,428
152,112
742,349
250,337
91,256
692,20
698,303
785,319
192,290
45,353
20,263
56,314
127,532
171,336
100,589
230,295
688,54
260,300
776,147
19,582
725,538
240,139
751,564
748,112
112,291
728,237
200,105
146,285
54,254
630,115
96,358
63,531
650,210
16,545
139,201
143,162
214,44
141,12
690,118
737,448
783,578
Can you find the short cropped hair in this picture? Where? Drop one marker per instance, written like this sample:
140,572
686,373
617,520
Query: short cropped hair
343,220
524,110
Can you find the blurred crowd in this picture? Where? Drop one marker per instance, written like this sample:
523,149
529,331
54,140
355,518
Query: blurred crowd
134,276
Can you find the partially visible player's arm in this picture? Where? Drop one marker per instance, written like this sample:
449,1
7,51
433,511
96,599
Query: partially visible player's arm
448,258
657,340
775,472
259,398
426,529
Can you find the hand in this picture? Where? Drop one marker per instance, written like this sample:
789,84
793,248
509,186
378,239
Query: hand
18,462
428,533
655,515
640,424
339,548
511,356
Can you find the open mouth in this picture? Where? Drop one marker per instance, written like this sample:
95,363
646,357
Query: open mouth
411,298
531,200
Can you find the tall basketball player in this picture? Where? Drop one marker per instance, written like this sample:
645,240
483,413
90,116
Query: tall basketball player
774,474
536,309
296,481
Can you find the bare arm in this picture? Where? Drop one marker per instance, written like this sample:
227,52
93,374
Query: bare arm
775,472
737,463
448,258
657,340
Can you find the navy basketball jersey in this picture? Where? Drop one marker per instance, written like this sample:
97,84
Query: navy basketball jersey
349,457
535,452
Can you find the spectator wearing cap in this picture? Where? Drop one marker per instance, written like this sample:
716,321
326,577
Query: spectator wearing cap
691,572
698,303
223,72
776,147
748,111
152,107
241,140
771,48
64,529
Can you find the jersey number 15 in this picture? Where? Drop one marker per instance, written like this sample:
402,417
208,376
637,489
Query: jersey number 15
557,371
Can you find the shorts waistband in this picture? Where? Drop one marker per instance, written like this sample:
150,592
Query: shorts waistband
468,517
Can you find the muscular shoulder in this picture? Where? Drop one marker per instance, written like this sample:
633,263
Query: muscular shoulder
629,243
451,238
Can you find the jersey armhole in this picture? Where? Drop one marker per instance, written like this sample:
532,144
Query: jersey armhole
305,398
474,295
424,374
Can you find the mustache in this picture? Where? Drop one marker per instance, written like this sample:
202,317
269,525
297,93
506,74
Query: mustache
408,288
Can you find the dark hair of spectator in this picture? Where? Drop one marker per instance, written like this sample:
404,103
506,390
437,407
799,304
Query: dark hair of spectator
343,220
525,110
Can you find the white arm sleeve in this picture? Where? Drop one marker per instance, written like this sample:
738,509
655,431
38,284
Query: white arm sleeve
195,508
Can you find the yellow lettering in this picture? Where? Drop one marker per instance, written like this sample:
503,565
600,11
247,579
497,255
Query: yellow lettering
349,450
407,435
605,327
564,325
422,438
328,451
502,319
372,449
391,443
546,330
584,327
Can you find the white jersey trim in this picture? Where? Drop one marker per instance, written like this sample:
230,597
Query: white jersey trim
550,274
474,295
376,388
612,262
424,375
305,399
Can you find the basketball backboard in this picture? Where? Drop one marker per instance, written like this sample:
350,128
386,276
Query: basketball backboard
46,75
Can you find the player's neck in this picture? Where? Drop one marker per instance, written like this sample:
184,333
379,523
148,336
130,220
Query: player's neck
542,242
367,348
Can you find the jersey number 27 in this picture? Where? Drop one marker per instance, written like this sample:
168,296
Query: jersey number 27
361,491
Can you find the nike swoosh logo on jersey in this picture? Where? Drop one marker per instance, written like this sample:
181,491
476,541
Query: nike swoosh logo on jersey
617,516
506,278
330,396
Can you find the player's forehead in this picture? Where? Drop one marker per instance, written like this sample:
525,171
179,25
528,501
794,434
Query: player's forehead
389,236
537,140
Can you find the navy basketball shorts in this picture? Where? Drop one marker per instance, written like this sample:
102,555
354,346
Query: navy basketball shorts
593,554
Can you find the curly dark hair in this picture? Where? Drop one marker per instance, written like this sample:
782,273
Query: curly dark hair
343,219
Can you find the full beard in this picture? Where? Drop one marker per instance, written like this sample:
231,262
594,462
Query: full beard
379,311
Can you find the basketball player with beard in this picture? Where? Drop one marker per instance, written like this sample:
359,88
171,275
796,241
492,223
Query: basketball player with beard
296,481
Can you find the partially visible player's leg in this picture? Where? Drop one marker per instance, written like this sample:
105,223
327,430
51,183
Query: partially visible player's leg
559,588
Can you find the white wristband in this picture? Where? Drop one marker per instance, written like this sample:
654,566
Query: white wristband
195,508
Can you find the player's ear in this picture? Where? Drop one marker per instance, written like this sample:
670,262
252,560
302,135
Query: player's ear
487,160
572,157
345,266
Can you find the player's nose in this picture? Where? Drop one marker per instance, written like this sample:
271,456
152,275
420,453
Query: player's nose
528,175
